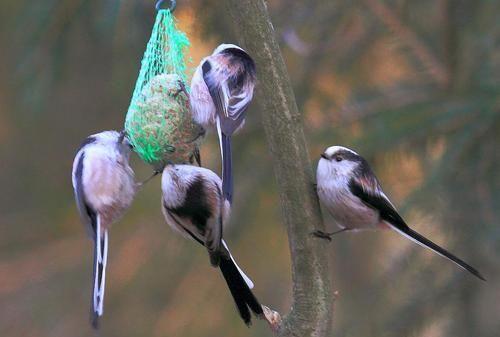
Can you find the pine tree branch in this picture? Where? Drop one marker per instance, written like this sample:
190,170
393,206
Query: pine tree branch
435,67
312,308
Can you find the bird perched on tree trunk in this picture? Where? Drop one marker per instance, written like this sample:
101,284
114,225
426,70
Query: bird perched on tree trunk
104,188
221,91
350,191
194,206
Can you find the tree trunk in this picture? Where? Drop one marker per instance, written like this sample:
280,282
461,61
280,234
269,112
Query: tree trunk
312,309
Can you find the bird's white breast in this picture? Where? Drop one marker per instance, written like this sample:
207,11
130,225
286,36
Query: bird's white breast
347,210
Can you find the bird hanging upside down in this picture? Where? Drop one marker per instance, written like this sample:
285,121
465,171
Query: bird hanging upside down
194,206
221,91
104,187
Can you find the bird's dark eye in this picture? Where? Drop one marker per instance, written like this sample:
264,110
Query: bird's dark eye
338,158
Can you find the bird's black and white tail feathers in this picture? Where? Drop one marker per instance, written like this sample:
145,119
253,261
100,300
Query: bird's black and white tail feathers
423,241
371,193
240,286
227,171
238,283
100,261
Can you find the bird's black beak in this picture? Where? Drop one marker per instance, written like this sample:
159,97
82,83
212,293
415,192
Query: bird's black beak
121,137
324,156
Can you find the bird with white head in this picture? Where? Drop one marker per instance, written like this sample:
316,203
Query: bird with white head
350,191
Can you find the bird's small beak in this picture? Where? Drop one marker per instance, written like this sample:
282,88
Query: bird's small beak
121,137
324,156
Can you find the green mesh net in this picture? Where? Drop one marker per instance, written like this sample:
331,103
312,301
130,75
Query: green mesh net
158,122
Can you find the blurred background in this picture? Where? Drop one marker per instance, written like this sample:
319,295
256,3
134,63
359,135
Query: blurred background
414,86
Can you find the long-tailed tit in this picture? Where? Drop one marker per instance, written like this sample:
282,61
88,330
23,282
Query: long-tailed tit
221,91
352,194
194,206
104,188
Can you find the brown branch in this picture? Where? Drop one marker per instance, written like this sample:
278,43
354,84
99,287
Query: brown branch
312,308
436,69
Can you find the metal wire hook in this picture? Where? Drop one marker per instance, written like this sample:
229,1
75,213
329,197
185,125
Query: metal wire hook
173,4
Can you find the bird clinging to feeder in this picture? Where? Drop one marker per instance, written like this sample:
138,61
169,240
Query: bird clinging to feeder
221,91
193,205
104,188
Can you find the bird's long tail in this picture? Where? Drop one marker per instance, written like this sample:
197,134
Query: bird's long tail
247,279
227,171
100,261
423,241
239,285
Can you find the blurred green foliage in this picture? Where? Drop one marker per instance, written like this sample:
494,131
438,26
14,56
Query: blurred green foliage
414,86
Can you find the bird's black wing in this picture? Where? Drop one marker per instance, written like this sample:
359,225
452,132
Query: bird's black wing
226,95
87,214
214,88
376,199
235,110
371,194
180,225
197,217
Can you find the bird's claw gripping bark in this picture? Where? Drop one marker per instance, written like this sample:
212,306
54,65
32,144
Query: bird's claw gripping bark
321,235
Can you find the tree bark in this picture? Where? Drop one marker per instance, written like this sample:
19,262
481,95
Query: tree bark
312,305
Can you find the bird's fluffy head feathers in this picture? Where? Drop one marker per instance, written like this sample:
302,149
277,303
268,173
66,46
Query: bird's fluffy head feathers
337,162
111,138
225,46
176,179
